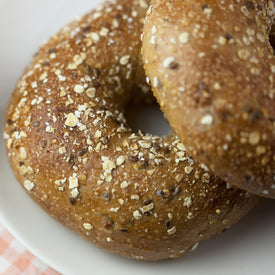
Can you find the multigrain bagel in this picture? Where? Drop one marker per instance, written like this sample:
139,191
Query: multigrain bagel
213,72
69,146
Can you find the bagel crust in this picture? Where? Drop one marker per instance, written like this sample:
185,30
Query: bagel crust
213,72
137,195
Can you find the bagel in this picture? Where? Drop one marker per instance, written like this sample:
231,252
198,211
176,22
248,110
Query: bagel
69,145
212,70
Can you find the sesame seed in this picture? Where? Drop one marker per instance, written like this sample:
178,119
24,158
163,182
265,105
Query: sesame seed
184,37
260,150
121,201
98,134
172,230
260,37
188,170
104,32
222,40
194,247
218,211
179,178
152,41
95,37
143,4
115,23
187,202
134,197
254,138
71,120
79,89
168,61
74,193
134,13
52,55
243,54
201,55
190,215
124,184
73,182
77,60
147,208
145,144
255,71
154,30
181,147
29,185
207,120
49,129
120,160
137,215
87,226
114,209
108,165
205,178
217,86
156,82
62,150
206,10
91,92
125,60
228,186
22,153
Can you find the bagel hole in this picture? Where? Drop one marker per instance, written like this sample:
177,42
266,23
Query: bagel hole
146,117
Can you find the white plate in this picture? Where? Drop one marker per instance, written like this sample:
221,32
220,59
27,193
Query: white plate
247,248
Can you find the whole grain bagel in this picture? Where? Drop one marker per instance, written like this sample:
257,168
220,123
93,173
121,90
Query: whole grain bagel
69,146
213,72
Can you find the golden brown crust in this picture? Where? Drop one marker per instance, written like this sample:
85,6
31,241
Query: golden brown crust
213,69
69,146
